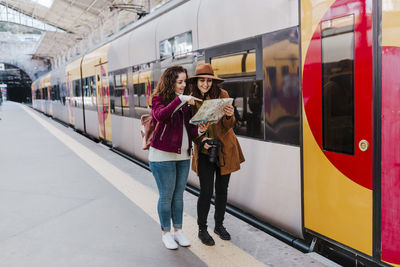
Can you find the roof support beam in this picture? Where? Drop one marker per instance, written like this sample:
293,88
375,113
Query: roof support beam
22,11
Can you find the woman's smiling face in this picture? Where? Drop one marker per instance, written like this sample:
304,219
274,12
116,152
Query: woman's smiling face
204,84
180,83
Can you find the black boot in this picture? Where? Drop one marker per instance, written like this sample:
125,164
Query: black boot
221,231
205,237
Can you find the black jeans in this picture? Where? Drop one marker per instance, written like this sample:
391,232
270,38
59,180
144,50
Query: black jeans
206,171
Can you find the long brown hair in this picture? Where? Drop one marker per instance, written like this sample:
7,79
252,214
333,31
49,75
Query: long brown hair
214,91
166,85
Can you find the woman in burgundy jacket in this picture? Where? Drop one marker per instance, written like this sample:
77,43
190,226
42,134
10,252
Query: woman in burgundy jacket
169,153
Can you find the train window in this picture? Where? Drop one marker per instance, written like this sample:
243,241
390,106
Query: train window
92,94
271,74
63,93
110,84
87,88
46,96
176,46
54,93
248,102
337,38
77,89
124,80
142,88
239,71
124,95
111,88
235,65
120,94
117,80
281,86
57,92
77,92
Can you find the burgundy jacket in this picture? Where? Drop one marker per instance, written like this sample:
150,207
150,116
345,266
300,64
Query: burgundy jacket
168,134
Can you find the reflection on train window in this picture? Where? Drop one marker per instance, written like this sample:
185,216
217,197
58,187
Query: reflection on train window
142,88
178,45
92,86
124,80
77,93
45,93
63,93
337,37
248,101
54,93
117,80
120,94
271,74
281,86
117,102
235,65
89,92
239,71
77,88
111,88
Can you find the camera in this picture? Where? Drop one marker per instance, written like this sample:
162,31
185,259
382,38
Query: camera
213,150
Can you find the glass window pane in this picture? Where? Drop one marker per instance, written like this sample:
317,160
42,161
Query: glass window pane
281,86
117,80
182,44
124,80
93,91
236,65
247,93
337,84
178,45
248,101
142,89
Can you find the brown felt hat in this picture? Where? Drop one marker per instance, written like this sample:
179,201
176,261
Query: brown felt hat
204,70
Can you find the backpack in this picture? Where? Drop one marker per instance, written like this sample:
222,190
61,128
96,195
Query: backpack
147,129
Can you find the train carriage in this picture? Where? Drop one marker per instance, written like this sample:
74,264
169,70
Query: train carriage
390,133
349,149
315,88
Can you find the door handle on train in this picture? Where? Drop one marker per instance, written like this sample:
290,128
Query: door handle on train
363,145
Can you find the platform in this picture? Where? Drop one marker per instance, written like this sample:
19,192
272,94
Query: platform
66,200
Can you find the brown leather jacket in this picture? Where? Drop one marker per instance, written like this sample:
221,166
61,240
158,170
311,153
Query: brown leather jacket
230,155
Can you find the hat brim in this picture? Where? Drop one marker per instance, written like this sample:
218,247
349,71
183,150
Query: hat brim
206,76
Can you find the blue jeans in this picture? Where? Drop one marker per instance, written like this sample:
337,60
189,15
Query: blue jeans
171,178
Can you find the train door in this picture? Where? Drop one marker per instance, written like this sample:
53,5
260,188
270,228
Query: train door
103,101
70,99
50,101
390,173
337,120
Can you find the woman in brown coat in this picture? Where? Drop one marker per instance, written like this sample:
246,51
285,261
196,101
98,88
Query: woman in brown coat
204,85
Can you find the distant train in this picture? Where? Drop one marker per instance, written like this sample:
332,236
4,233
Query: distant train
316,88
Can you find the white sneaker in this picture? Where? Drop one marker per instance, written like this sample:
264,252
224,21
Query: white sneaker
169,241
180,237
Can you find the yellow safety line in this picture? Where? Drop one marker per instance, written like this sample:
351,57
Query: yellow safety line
224,253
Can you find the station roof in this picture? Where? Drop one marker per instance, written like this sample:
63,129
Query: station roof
70,23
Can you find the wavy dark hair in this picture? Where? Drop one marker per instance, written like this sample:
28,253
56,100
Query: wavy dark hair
214,91
166,85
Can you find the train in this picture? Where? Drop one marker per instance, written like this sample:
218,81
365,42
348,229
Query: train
316,94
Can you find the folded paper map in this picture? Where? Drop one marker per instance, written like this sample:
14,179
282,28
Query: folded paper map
211,110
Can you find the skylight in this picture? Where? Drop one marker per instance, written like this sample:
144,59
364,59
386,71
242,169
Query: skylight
11,15
45,3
